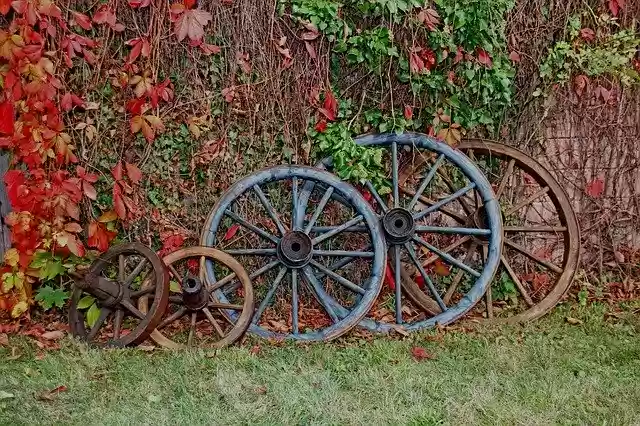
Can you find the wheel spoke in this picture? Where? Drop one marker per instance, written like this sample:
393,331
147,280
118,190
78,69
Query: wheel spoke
447,249
398,283
341,280
552,229
213,321
378,198
447,258
269,208
129,306
117,323
547,264
456,280
527,201
342,253
294,301
394,174
295,208
320,238
192,329
136,271
505,179
319,294
319,209
217,305
176,299
516,280
173,317
121,268
252,252
425,277
269,295
429,202
323,229
226,280
488,294
426,181
444,201
104,314
143,292
264,234
448,230
175,274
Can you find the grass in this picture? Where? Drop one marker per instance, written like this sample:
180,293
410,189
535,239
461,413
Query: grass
549,372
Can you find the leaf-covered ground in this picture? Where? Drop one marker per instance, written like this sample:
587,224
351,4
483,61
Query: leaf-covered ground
584,370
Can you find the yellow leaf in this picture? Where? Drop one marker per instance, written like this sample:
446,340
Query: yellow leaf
107,217
19,309
11,257
451,136
136,123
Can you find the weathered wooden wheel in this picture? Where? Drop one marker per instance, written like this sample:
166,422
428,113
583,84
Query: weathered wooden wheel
542,240
422,233
111,288
195,317
258,221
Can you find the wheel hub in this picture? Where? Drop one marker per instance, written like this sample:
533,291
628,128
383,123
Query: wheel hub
295,249
194,295
398,225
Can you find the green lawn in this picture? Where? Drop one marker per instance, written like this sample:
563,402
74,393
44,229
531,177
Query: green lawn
549,372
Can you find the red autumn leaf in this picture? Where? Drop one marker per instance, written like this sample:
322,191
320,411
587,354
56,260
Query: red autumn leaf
416,64
484,58
209,49
5,6
408,112
615,6
242,59
603,93
106,15
170,243
133,172
420,354
430,18
100,236
330,107
459,55
162,91
6,118
595,188
419,280
118,202
139,3
89,190
321,126
580,83
190,23
135,106
514,56
139,46
231,232
117,171
389,280
229,93
587,34
82,20
190,4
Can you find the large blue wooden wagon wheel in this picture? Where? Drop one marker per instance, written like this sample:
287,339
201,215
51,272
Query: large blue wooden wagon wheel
257,222
427,241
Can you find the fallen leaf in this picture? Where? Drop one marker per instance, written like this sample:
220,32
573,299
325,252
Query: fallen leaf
580,84
191,24
420,354
573,321
50,395
133,172
615,6
587,34
261,390
154,398
484,58
6,395
595,188
451,136
231,232
310,50
408,112
146,348
514,56
15,354
255,350
53,335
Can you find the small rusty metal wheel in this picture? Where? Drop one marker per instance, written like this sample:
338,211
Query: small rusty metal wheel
424,239
258,220
542,239
108,292
195,317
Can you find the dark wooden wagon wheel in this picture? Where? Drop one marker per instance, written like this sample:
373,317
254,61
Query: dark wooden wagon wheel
195,316
108,293
541,243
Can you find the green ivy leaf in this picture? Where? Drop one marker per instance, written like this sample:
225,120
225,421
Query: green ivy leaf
174,287
49,297
86,302
92,315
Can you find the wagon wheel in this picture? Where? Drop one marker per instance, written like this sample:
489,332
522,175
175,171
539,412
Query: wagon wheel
195,317
299,290
541,242
108,294
427,229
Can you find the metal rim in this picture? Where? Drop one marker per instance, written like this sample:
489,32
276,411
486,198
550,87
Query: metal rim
343,319
493,233
157,284
210,306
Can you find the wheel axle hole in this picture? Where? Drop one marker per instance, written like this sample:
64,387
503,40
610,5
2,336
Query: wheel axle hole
190,283
399,223
296,246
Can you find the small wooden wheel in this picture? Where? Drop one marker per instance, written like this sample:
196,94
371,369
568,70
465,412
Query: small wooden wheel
195,315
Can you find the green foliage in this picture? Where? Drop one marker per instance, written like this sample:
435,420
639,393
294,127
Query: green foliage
610,54
504,289
369,47
48,265
350,161
321,13
385,8
49,297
